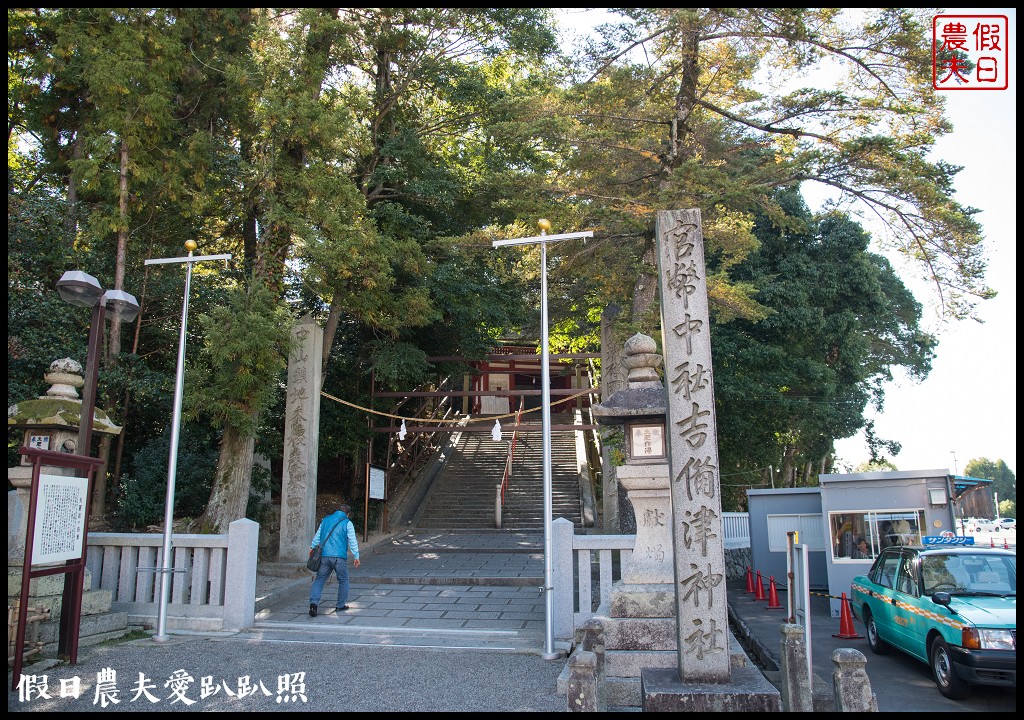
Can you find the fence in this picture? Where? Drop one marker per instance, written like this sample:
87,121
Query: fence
736,530
580,591
214,578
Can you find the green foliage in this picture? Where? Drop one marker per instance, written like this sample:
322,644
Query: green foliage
397,365
246,347
872,466
1004,482
839,320
142,498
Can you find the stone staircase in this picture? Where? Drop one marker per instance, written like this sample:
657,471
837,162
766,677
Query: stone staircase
463,495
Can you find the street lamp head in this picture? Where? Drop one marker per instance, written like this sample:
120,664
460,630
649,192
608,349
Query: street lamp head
79,288
123,306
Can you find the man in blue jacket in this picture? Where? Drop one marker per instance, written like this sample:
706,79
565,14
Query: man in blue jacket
338,537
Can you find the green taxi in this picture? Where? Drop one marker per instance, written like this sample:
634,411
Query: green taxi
951,606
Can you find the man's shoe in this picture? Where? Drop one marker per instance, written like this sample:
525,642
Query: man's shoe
312,609
343,607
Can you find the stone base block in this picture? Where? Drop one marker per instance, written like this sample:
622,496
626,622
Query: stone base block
656,600
46,585
94,602
748,691
640,633
629,663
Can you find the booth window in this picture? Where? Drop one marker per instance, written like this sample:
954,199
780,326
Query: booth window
862,535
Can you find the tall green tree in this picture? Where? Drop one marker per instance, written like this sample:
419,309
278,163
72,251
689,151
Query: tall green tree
1004,482
838,321
715,108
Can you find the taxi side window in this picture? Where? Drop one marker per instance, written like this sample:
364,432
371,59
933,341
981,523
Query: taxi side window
908,576
885,570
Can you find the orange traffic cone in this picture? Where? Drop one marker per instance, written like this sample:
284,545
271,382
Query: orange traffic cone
759,587
1006,544
846,629
991,542
750,580
773,595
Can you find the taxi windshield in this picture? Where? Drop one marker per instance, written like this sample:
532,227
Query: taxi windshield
966,574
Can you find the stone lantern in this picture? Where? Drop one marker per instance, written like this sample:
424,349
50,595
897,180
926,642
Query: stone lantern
50,422
641,411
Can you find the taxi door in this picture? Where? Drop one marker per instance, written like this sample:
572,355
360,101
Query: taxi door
907,623
883,595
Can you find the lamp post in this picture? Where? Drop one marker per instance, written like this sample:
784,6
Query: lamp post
166,569
543,239
83,290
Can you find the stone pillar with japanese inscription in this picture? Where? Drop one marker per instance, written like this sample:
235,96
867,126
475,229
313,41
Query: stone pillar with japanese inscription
699,549
301,441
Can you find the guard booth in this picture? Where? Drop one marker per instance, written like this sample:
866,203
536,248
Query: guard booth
850,518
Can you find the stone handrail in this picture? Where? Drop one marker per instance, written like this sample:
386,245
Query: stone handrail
572,559
213,583
578,593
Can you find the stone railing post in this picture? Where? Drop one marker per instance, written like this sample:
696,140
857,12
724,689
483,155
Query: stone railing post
240,583
850,682
581,691
796,683
562,558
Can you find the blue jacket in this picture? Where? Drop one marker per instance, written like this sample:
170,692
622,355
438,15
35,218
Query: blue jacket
340,540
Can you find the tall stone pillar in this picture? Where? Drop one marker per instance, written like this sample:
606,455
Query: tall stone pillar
701,603
301,441
617,514
706,679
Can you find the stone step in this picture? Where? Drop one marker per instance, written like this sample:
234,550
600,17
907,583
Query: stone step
90,625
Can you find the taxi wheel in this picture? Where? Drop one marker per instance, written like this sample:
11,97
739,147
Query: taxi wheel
878,645
946,678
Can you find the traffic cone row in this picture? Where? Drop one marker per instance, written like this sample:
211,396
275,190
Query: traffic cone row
759,588
846,629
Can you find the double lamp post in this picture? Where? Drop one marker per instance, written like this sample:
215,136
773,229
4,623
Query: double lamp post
83,290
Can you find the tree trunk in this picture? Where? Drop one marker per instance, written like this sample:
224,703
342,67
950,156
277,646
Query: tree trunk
71,221
645,290
330,330
230,494
788,474
616,512
114,349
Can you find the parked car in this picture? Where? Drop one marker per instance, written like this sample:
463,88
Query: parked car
985,525
1007,524
969,524
952,607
